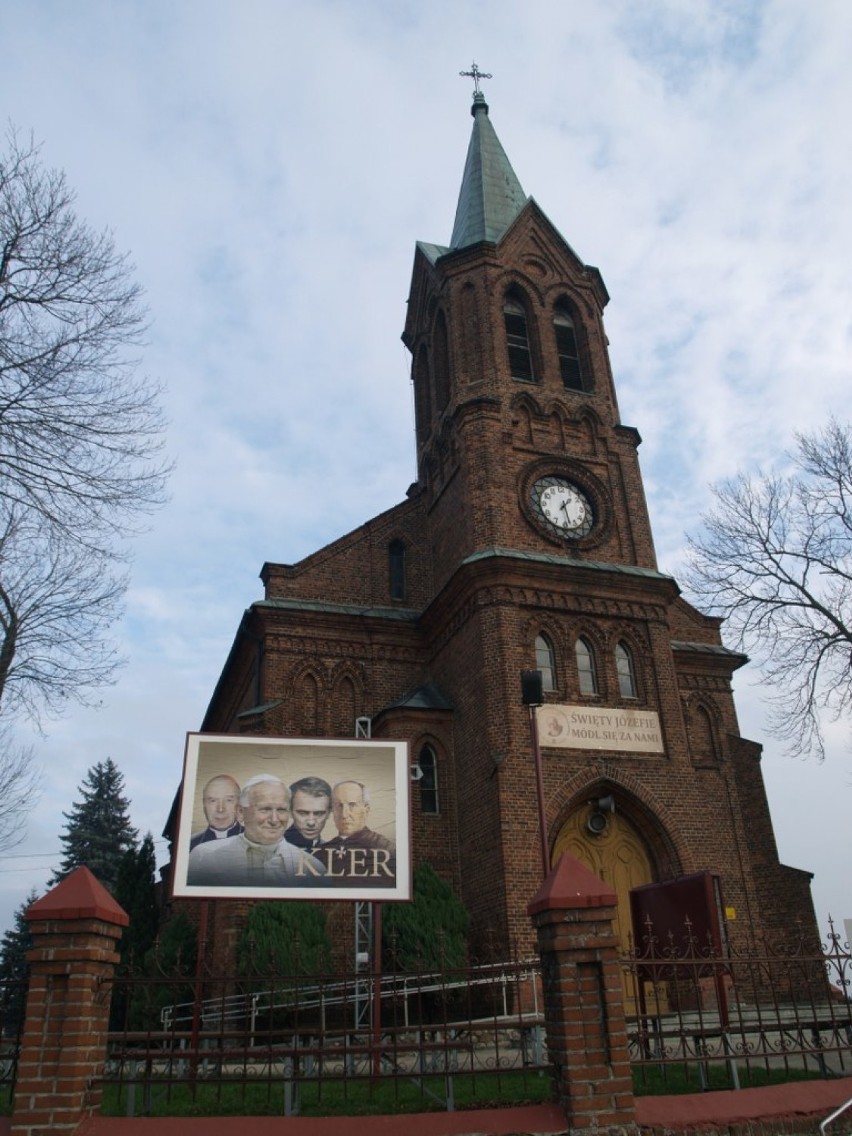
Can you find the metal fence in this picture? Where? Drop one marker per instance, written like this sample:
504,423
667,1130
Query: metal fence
759,1013
299,1045
198,1043
12,997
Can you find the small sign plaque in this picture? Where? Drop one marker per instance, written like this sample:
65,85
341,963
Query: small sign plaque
599,728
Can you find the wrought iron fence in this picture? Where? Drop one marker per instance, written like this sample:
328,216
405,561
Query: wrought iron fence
302,1044
187,1040
759,1013
13,994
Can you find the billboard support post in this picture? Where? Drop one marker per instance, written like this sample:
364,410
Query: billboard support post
377,988
203,916
532,696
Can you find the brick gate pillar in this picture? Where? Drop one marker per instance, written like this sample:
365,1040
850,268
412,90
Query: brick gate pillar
573,914
75,928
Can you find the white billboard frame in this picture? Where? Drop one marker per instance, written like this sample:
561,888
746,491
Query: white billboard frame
373,863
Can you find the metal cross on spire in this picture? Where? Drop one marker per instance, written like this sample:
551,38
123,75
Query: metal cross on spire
476,75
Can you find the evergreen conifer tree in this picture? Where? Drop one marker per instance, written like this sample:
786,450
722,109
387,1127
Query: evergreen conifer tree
429,934
169,965
136,892
98,832
13,969
284,939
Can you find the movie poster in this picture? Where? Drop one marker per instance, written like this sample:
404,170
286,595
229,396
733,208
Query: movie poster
305,818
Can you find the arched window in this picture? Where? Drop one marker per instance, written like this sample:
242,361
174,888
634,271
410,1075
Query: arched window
586,670
568,350
625,671
518,340
701,739
442,363
428,783
396,570
308,700
545,661
345,707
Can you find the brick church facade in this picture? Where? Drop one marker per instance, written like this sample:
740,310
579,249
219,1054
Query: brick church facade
525,543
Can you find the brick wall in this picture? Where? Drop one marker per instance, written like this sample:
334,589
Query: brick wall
75,928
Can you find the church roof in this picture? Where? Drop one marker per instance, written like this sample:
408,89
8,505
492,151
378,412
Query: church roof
491,196
425,697
736,657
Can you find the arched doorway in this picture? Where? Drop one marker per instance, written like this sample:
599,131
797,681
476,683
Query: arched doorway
617,854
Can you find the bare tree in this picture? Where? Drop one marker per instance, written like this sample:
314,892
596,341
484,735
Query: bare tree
80,431
775,561
80,436
57,603
20,789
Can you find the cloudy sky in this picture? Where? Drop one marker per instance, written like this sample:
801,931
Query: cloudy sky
269,166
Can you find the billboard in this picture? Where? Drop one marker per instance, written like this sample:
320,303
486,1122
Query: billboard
293,818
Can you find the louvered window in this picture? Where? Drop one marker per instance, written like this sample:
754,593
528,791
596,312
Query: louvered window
567,349
517,341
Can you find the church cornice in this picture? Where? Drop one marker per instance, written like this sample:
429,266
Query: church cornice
630,434
391,614
520,579
570,562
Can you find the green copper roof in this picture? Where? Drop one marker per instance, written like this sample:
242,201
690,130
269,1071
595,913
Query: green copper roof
426,697
491,196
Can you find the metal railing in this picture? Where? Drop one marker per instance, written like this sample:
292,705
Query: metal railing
502,980
289,1045
756,1014
300,1044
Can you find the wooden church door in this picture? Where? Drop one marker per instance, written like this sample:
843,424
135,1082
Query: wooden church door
618,856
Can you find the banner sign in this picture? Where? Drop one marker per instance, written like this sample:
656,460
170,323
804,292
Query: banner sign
293,818
593,727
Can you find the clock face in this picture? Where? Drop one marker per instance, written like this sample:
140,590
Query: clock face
563,507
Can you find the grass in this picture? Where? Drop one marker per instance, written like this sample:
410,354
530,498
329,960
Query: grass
363,1096
352,1097
671,1080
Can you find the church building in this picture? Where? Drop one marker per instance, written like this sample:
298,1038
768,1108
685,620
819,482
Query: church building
525,544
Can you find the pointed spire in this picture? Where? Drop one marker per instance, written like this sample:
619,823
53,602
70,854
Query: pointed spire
491,196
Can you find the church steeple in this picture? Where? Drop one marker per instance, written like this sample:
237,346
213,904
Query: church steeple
491,196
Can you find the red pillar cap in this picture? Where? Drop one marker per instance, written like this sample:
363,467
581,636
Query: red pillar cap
571,884
79,896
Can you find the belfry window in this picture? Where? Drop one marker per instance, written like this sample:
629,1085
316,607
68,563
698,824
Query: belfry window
518,340
396,570
570,366
545,661
428,783
625,671
442,363
586,670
